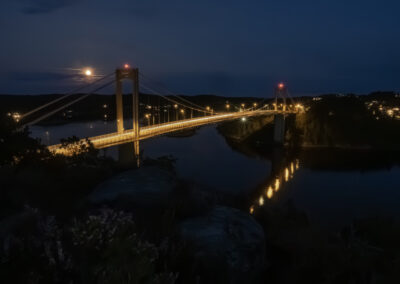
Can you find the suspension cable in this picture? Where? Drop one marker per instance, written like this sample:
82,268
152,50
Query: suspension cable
65,106
70,93
174,101
169,92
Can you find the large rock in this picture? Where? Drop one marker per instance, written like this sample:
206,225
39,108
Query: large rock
230,235
149,185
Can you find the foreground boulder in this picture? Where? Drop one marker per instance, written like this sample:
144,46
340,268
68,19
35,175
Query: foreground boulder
149,185
228,238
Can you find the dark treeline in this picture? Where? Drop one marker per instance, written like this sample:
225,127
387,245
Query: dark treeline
346,122
330,121
96,106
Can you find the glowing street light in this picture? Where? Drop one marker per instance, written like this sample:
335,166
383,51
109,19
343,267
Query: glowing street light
147,115
228,106
16,116
244,119
127,66
183,113
281,86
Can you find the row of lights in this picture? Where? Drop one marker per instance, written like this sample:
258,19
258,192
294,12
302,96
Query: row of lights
276,184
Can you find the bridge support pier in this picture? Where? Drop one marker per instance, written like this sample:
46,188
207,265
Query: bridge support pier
279,129
125,156
129,153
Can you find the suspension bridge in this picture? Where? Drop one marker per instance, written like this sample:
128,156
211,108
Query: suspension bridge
199,115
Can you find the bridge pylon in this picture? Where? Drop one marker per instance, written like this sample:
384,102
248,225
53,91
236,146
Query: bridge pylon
280,93
133,75
279,119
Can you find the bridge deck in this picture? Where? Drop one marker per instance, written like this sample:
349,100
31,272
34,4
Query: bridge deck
112,139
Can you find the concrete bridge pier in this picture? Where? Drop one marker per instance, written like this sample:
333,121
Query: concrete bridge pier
279,129
125,156
129,153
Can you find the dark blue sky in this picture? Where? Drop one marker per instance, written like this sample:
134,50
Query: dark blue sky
228,47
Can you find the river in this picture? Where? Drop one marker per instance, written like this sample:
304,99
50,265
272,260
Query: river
331,198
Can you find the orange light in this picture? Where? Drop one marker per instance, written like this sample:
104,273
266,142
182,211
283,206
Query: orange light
281,85
126,66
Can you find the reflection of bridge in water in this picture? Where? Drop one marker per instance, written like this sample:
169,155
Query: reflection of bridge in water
137,133
282,172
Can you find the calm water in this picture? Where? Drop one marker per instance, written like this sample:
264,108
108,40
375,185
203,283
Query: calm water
330,198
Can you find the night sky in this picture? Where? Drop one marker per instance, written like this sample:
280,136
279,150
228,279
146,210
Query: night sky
225,47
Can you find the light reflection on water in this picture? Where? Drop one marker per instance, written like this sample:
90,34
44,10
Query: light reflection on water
275,185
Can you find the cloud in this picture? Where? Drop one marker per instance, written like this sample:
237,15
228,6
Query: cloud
40,76
33,7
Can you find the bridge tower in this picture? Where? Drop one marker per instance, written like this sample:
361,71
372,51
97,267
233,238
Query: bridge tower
279,118
280,92
131,74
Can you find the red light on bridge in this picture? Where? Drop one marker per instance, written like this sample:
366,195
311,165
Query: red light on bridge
281,85
126,66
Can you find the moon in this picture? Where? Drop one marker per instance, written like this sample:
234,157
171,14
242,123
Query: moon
88,72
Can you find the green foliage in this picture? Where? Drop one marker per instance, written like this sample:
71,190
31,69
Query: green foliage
81,151
345,121
17,147
101,248
30,174
111,250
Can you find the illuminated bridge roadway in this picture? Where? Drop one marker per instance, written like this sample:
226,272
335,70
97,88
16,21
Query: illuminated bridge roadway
145,132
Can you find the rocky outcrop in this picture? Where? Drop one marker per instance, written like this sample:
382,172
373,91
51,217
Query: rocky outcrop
228,235
148,185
